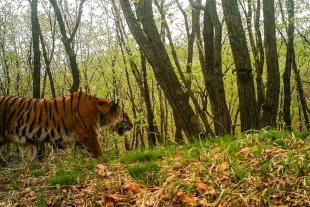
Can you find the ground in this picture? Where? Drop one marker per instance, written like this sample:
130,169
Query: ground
258,169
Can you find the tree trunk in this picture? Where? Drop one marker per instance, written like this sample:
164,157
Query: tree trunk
67,43
288,67
301,93
270,107
36,48
245,81
212,69
156,54
36,65
150,114
257,49
47,61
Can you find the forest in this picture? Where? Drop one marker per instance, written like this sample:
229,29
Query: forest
218,92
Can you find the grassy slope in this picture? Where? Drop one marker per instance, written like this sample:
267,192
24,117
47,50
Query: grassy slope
265,169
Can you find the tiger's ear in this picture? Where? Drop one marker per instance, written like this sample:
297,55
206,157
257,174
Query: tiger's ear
114,107
102,103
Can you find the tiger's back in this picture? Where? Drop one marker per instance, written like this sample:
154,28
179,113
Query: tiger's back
76,117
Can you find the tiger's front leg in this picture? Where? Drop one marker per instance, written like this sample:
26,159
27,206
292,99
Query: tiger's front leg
91,143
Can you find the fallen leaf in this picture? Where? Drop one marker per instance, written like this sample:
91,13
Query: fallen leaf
133,187
222,167
109,201
190,201
244,150
201,186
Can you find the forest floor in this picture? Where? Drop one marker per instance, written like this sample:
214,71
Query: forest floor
267,168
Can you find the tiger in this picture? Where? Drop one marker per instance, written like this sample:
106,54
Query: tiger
73,118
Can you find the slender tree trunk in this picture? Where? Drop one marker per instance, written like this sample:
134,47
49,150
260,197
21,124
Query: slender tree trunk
288,67
257,49
67,43
247,99
302,98
150,114
36,64
47,61
36,48
156,54
270,107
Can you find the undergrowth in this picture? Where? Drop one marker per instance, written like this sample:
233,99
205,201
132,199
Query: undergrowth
265,168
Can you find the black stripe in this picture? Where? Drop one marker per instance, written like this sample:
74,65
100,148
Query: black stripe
3,98
52,133
24,131
58,129
21,101
45,105
35,103
77,107
64,103
4,113
71,99
55,103
78,112
50,110
20,111
95,124
32,125
80,96
46,124
39,132
54,122
12,103
10,114
28,117
40,114
64,124
28,104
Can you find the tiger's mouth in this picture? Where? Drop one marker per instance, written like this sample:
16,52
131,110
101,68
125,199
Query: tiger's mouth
122,130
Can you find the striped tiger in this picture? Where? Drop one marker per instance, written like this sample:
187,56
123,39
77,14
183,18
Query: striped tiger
74,118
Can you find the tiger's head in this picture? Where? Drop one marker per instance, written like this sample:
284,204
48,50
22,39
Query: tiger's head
124,124
113,117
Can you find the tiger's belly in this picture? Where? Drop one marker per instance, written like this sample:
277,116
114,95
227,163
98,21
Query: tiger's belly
24,136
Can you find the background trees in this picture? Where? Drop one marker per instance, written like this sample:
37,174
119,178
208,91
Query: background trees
184,69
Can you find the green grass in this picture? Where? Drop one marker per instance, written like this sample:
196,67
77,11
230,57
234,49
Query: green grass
141,156
147,172
38,172
65,177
